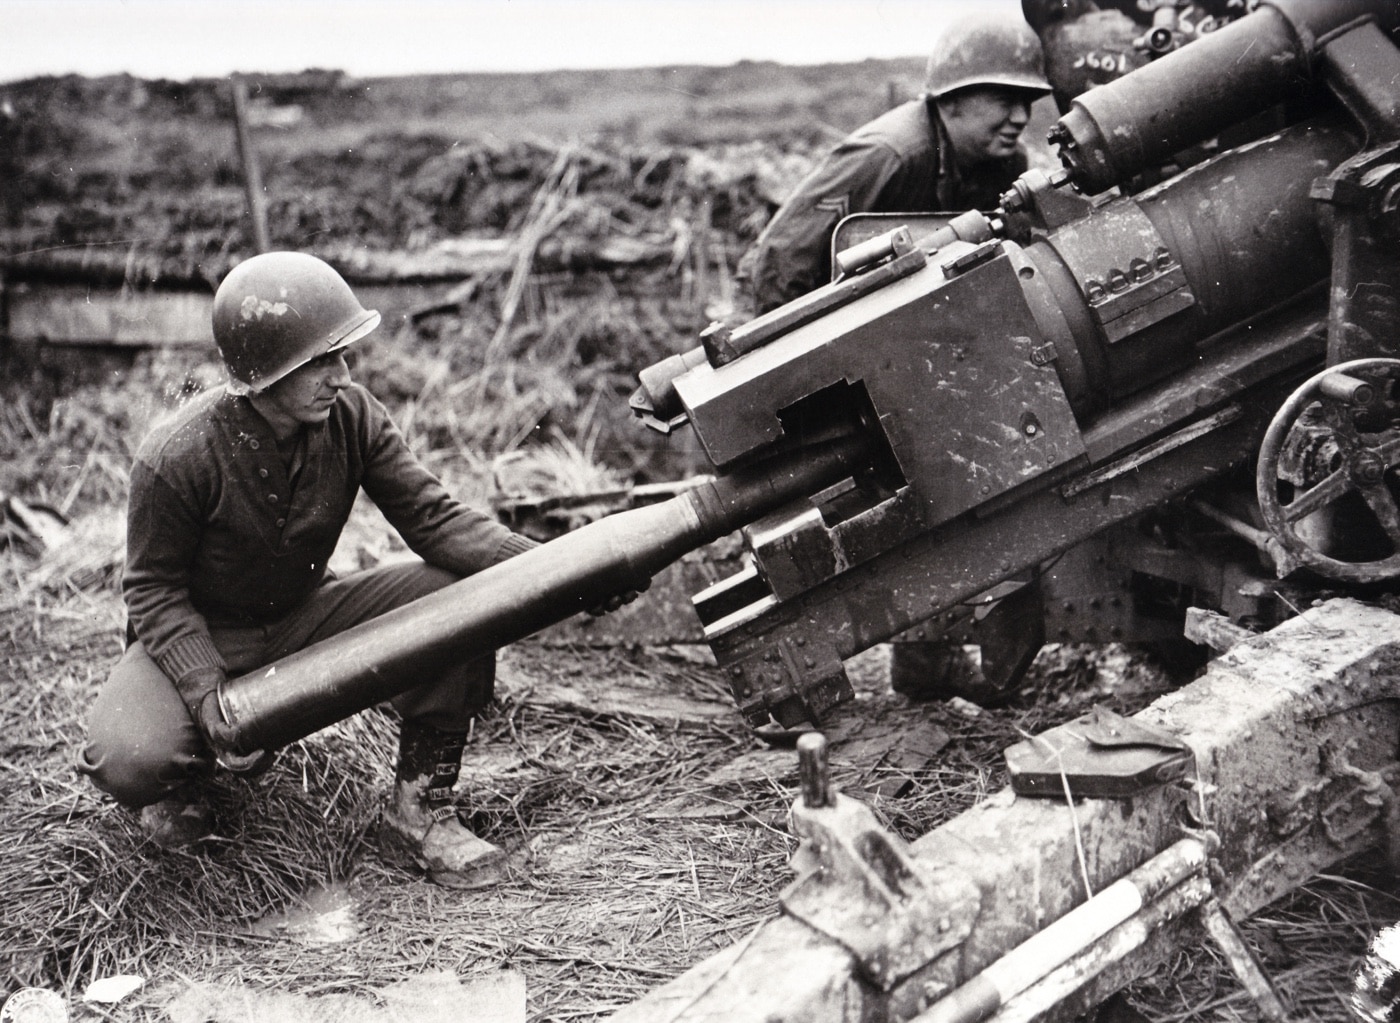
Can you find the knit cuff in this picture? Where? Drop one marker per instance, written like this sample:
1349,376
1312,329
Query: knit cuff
190,654
512,545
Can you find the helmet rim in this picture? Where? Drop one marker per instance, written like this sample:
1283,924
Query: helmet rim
987,50
356,331
277,311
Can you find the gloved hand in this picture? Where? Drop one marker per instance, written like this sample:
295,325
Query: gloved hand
223,740
617,600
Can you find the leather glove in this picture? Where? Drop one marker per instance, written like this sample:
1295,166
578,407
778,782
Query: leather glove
617,600
195,684
223,740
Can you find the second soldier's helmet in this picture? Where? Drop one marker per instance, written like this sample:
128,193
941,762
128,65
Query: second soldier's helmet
278,311
986,49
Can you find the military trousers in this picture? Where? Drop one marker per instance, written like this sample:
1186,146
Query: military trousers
142,743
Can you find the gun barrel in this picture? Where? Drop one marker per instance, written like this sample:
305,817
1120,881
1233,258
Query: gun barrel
1119,129
379,659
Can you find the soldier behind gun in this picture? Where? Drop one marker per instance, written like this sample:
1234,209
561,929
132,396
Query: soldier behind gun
236,504
955,148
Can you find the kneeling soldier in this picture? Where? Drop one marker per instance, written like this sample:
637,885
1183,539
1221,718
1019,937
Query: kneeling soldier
236,504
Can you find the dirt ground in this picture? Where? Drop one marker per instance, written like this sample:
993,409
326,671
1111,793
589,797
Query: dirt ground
637,849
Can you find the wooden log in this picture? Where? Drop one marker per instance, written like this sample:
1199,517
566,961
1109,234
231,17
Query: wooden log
449,261
1256,722
75,317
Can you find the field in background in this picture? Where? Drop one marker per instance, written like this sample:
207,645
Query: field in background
135,185
113,154
397,162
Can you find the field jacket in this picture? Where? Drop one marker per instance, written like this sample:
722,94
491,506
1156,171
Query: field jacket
217,535
901,162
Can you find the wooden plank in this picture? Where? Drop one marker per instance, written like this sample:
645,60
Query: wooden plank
450,261
67,315
70,316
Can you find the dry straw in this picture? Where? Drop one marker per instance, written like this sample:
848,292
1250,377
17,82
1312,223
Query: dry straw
607,897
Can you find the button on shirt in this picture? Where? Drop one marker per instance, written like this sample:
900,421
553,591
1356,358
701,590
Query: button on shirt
218,534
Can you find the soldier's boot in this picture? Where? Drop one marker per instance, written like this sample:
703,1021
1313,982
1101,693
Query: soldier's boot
930,669
420,825
1010,632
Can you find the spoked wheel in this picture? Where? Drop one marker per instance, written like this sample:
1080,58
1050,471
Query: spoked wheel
1335,436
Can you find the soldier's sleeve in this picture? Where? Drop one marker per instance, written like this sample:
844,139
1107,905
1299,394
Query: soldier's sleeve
793,254
437,527
163,530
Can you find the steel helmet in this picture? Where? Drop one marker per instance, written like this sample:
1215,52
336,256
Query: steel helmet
278,311
986,49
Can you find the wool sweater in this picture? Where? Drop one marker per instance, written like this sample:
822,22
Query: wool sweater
218,535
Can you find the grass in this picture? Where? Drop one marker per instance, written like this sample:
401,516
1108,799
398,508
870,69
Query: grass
607,897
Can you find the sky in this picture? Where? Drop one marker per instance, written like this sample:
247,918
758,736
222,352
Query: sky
181,39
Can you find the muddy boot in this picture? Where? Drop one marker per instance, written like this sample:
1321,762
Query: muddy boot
420,825
180,821
930,669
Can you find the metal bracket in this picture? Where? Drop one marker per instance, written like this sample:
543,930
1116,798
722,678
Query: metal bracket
1365,195
792,681
1043,355
1128,275
1098,755
1131,462
858,884
967,260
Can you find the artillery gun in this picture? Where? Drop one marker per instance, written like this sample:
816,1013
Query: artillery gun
1067,424
1183,395
1178,396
